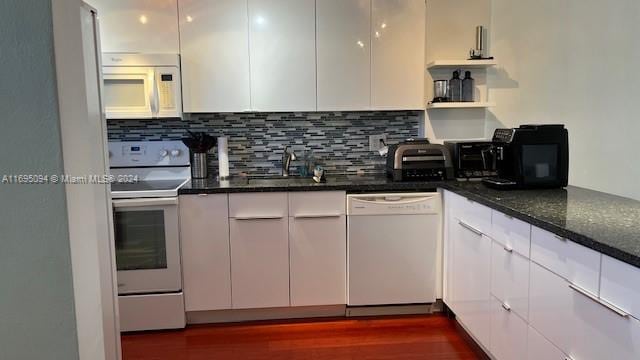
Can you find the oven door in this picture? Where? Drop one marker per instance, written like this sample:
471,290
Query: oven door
147,245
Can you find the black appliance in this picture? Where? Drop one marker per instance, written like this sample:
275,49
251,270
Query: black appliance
418,160
473,160
531,156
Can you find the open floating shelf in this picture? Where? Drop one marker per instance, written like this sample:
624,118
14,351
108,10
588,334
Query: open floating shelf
459,105
461,64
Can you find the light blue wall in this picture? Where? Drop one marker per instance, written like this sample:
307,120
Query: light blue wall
37,319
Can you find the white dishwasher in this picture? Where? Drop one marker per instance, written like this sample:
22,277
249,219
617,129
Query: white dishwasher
392,248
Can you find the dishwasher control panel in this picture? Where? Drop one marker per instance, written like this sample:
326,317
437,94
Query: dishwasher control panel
394,204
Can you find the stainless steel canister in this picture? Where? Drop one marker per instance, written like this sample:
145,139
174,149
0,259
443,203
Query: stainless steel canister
440,90
199,166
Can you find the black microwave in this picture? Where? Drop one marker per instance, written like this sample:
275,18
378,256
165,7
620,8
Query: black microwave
531,156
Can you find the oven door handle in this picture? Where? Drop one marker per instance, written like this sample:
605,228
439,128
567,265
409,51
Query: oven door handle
124,203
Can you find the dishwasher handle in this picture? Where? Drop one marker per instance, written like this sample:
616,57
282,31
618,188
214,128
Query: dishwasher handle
397,200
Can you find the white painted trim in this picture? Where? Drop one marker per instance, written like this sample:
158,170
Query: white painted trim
89,210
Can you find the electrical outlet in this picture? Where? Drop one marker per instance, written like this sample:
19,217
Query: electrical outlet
375,141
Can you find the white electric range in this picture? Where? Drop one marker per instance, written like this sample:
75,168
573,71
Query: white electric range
147,177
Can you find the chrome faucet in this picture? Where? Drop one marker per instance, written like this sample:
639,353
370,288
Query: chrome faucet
287,158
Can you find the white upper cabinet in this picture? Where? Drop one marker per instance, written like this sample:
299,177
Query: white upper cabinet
398,54
283,55
344,54
214,41
138,26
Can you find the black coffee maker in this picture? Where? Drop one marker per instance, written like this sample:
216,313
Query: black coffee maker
531,156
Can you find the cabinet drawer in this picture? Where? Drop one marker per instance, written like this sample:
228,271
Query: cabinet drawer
510,279
510,232
620,285
551,309
317,204
258,205
470,212
508,333
539,348
576,263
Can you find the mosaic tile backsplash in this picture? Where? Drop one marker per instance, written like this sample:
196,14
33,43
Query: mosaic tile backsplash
339,141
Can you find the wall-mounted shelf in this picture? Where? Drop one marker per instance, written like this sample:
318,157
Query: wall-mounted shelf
461,64
459,105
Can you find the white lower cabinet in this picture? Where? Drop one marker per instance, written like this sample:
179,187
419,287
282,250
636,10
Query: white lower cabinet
206,262
318,251
539,348
469,292
259,250
551,307
510,278
508,333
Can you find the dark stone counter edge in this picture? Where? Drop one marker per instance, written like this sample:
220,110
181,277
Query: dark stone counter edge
555,229
432,186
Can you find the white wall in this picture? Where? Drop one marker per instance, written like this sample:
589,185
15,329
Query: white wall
451,29
575,62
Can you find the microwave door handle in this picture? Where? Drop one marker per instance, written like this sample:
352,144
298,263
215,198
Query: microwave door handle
154,94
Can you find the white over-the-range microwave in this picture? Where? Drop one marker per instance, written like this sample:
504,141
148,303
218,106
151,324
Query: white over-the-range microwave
141,86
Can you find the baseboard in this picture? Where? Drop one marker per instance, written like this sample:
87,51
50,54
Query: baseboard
243,315
413,309
480,350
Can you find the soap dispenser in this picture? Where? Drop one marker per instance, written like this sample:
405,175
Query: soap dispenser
468,85
455,87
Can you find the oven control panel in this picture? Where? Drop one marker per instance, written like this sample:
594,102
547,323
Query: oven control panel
148,153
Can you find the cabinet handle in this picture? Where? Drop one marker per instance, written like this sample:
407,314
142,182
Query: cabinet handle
318,216
560,237
203,195
506,307
508,249
508,216
615,309
244,218
470,228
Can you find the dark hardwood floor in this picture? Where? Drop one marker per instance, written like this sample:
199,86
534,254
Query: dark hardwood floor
433,337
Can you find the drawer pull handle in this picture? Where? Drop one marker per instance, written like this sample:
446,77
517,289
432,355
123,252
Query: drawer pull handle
259,218
560,238
509,217
615,309
470,228
203,195
508,249
506,307
318,216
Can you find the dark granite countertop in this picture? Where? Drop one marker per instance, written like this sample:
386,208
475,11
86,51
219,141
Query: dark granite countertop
350,184
606,223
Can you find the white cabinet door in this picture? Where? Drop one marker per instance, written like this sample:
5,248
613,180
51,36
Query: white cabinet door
539,348
469,291
510,232
206,260
603,333
258,229
138,26
551,308
577,264
510,278
318,255
620,285
398,51
344,54
282,42
259,262
508,333
214,42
